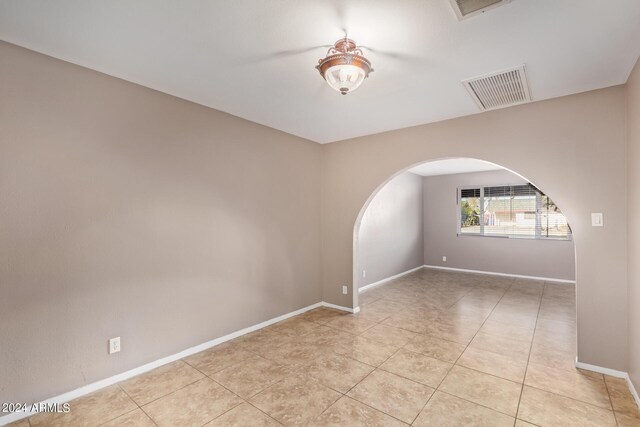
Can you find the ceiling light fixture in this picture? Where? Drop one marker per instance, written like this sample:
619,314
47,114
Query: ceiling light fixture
345,67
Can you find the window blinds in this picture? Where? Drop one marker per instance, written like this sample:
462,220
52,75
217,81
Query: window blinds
510,211
470,192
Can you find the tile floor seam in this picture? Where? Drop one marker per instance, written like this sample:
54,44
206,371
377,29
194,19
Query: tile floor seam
391,373
570,398
255,354
230,409
350,333
526,369
485,320
171,392
226,388
114,418
491,375
475,403
375,368
136,403
249,403
362,403
474,335
423,406
307,377
615,417
405,329
329,387
149,416
374,408
609,395
353,358
266,388
433,336
529,422
145,412
206,376
253,395
459,299
503,337
576,372
359,382
407,378
329,406
194,367
467,346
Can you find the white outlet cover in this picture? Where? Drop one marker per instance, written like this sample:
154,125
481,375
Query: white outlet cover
364,273
597,220
444,259
345,290
114,345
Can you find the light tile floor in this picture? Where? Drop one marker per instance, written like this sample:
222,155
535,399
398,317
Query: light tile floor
430,349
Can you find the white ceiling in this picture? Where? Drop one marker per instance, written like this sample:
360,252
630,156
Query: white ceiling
451,166
255,58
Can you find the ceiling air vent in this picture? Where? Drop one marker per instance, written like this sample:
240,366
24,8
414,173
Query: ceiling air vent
500,89
468,8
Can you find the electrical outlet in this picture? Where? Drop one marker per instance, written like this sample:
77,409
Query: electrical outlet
364,273
114,345
444,259
345,290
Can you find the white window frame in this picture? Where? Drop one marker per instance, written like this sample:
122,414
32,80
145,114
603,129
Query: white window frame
538,227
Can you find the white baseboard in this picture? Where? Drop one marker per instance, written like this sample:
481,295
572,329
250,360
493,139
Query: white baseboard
493,273
341,308
383,281
633,391
611,373
90,388
462,270
601,370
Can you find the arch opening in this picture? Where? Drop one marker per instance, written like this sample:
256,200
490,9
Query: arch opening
560,251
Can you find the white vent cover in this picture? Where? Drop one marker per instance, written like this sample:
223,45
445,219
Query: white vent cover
468,8
501,89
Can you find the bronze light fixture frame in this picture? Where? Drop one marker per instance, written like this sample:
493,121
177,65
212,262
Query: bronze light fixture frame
344,52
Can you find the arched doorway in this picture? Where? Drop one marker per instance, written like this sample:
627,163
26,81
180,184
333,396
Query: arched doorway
509,317
357,267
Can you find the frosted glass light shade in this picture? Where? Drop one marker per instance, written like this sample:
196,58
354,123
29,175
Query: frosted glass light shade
345,67
345,78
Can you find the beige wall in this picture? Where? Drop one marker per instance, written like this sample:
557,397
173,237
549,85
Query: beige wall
541,258
390,237
572,147
127,212
633,180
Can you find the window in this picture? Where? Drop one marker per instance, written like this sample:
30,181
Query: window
510,211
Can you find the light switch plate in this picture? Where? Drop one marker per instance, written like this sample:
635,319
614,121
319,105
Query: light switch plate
114,345
597,220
